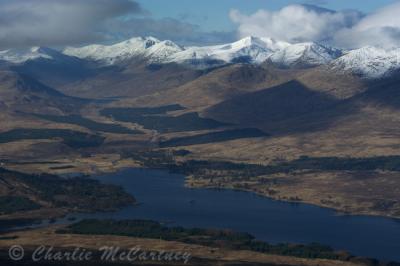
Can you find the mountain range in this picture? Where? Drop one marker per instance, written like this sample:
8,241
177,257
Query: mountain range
367,62
254,82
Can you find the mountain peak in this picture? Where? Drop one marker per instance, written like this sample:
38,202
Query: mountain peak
369,61
250,40
307,54
134,47
17,56
146,41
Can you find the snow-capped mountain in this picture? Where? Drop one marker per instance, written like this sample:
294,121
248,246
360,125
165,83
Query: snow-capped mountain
369,62
305,54
148,47
250,49
254,49
17,56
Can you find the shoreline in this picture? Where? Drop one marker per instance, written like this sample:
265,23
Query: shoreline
191,182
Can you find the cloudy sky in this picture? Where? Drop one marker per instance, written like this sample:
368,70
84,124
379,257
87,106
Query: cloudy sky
58,23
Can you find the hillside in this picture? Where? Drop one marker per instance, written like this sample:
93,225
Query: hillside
21,93
220,84
133,78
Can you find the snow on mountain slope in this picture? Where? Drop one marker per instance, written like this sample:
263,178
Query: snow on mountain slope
369,62
250,49
275,45
22,55
305,54
150,47
162,50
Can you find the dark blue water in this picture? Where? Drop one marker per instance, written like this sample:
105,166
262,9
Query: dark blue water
163,197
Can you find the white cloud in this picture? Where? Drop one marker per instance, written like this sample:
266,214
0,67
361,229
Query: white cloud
26,23
58,22
381,28
298,23
294,23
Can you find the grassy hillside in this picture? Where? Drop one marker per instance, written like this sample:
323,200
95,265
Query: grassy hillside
89,124
74,139
290,107
219,136
155,119
23,192
207,237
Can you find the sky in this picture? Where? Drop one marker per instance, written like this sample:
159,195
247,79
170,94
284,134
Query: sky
59,23
214,14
